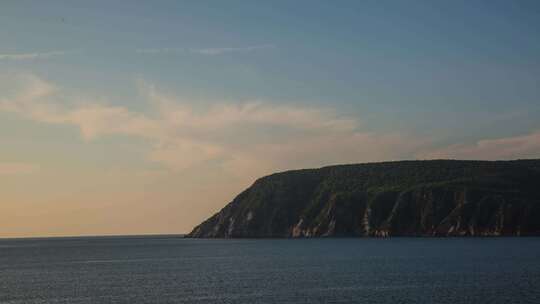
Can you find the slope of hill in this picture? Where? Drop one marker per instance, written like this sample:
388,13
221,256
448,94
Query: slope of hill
405,198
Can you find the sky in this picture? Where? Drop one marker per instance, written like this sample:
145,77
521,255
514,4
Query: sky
143,117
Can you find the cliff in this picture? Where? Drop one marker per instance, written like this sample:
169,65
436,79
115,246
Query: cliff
406,198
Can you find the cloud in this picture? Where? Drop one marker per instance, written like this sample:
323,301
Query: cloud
223,50
520,146
219,115
205,51
246,139
160,51
31,56
17,168
256,136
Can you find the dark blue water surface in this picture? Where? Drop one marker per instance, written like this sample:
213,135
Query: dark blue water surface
165,269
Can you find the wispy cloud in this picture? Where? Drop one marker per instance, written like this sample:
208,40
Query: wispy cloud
16,168
205,51
520,146
224,50
247,139
160,51
31,56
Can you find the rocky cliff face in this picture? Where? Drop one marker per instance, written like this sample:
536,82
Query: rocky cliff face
410,198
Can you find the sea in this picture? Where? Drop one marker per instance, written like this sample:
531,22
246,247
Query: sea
172,269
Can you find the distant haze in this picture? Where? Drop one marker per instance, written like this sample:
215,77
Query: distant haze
139,117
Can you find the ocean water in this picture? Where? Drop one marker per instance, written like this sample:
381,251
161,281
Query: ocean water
167,269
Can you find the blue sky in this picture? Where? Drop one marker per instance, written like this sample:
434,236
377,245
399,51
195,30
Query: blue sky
165,93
